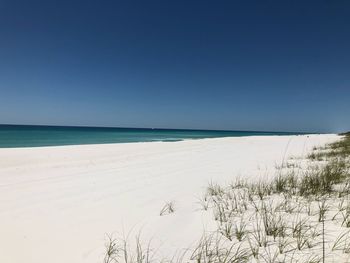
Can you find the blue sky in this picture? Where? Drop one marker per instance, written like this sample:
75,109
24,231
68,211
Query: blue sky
241,65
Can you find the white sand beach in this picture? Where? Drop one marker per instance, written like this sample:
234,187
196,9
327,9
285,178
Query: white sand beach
58,203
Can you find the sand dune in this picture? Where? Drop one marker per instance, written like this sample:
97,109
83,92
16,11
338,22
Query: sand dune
57,203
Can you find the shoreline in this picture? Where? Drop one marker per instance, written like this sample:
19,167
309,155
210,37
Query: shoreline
170,141
56,197
38,136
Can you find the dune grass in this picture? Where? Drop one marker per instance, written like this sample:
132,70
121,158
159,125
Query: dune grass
292,218
167,209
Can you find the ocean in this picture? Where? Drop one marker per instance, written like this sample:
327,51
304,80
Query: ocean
35,136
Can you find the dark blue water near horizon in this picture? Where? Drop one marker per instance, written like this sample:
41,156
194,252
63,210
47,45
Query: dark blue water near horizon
38,135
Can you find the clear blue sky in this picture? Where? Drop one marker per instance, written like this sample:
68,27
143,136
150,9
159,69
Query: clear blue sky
242,65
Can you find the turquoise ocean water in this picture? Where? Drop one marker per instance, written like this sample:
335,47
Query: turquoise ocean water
34,136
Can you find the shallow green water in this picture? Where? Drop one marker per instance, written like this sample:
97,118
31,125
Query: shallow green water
34,136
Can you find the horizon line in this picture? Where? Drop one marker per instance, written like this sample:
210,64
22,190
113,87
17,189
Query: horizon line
158,128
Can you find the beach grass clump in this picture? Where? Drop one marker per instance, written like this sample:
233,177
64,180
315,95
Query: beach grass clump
240,230
214,189
323,208
254,248
258,234
212,248
260,189
286,182
227,229
124,251
320,180
339,148
283,244
280,184
273,223
270,255
345,213
204,202
167,209
112,250
342,242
